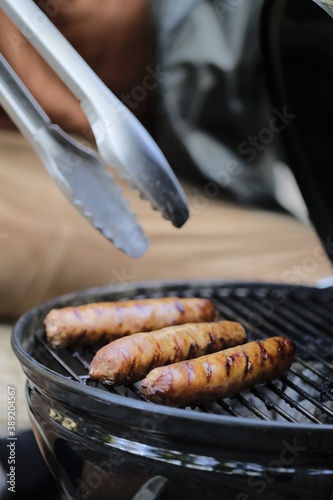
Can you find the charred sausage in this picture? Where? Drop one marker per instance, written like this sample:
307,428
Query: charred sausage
220,375
130,358
106,321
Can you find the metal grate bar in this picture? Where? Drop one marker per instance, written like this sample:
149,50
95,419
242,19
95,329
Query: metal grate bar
246,324
242,312
85,364
301,392
59,360
111,389
309,349
204,409
323,311
315,324
245,311
314,370
229,409
313,384
137,392
323,326
252,408
270,405
291,402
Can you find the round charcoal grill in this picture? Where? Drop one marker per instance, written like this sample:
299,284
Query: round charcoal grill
274,441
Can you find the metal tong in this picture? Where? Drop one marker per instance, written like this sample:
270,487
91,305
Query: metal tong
121,140
327,5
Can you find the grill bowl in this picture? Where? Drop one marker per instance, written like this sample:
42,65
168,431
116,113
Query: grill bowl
273,442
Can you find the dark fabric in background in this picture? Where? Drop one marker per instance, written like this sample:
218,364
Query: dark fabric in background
213,95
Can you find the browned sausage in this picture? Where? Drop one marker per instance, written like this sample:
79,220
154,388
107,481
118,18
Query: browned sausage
219,375
130,358
106,321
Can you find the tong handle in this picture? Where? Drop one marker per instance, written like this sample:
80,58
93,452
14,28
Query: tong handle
31,120
97,101
77,170
53,47
121,139
20,105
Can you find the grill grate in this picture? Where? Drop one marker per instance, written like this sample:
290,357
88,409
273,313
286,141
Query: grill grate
304,394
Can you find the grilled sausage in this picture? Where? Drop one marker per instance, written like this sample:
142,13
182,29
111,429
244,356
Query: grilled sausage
106,321
219,375
130,358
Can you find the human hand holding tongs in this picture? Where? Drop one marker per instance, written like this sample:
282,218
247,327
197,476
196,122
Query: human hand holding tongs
121,140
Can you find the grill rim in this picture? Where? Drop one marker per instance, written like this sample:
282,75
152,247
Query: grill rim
33,367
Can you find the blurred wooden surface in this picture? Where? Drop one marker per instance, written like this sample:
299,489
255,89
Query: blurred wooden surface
47,248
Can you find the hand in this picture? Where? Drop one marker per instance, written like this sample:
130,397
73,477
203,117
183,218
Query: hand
112,36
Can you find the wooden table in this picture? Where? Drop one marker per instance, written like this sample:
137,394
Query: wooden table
47,248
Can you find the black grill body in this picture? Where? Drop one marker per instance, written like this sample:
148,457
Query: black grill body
274,442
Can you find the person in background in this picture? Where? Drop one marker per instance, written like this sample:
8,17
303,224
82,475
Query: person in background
113,37
172,63
191,71
116,40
